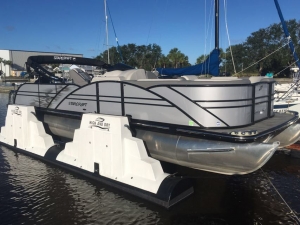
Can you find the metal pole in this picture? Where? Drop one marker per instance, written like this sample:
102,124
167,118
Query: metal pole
108,61
287,34
217,24
217,29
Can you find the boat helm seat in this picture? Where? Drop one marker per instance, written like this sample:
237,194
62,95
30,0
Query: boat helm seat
151,75
79,77
134,74
221,81
260,79
190,77
161,80
118,78
224,78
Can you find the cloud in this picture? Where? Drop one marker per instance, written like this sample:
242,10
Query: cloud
9,28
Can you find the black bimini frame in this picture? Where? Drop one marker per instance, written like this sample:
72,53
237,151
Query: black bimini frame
35,62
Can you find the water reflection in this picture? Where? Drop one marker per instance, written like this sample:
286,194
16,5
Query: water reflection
32,192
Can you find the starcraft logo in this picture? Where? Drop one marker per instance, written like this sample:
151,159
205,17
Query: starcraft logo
65,58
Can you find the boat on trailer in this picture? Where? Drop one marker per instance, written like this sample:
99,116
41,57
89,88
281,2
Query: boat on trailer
119,127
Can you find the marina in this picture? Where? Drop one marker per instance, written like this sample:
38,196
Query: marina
33,192
106,135
43,122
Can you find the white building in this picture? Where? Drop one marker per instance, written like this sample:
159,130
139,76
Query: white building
18,59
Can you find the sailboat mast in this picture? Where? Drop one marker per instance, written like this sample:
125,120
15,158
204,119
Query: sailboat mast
217,32
118,48
108,61
287,34
216,24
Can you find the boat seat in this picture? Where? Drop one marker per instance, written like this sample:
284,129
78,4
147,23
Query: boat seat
133,74
220,81
151,75
224,78
190,77
161,80
118,78
256,79
79,77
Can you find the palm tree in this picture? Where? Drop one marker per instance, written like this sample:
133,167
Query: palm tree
183,60
163,62
178,58
173,56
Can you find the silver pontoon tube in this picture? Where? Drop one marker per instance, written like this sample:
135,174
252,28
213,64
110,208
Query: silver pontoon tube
289,136
209,155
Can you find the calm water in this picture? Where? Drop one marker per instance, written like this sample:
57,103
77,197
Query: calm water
32,192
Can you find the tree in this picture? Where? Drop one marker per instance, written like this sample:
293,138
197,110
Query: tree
201,59
163,62
255,53
151,56
113,53
177,58
139,56
260,50
240,58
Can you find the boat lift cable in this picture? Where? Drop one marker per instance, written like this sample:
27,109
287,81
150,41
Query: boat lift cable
263,58
226,24
159,41
294,63
291,211
292,49
287,34
156,2
289,41
289,92
207,29
118,48
293,87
